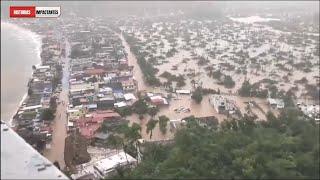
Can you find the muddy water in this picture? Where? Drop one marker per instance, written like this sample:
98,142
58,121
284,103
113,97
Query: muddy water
132,61
224,53
156,133
198,110
56,152
243,34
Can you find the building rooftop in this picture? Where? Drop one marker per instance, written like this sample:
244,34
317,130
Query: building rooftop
19,160
109,163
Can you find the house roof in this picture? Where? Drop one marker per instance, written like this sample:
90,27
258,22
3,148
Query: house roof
120,104
129,96
105,114
158,100
94,71
89,130
183,91
109,163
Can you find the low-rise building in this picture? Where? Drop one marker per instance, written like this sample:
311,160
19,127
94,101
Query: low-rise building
276,103
105,167
222,104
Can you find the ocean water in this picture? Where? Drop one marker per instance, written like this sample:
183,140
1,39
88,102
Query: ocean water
20,49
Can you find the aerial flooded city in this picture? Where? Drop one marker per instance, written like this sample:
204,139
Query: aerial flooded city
169,90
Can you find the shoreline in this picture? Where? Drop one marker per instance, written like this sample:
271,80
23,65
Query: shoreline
37,39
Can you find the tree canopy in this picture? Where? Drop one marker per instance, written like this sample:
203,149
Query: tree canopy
197,95
47,114
284,147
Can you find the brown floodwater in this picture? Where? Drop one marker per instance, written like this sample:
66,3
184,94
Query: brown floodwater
225,46
132,61
59,126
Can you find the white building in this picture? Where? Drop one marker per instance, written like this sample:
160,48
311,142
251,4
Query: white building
312,111
183,91
278,103
221,104
105,166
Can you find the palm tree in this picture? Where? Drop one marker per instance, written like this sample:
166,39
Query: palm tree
153,111
131,135
151,125
193,83
163,121
115,141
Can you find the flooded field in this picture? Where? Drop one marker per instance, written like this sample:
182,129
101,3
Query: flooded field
242,48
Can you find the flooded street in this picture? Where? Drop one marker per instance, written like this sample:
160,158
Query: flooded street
242,49
198,110
132,61
56,152
203,109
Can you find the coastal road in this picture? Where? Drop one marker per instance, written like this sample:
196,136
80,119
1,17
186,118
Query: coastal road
56,152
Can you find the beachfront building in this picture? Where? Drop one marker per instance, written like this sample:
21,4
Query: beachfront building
29,122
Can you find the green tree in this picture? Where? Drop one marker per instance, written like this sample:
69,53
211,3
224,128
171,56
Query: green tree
124,111
93,79
150,126
163,121
115,141
140,107
153,111
245,89
197,95
47,114
228,82
240,149
217,74
53,103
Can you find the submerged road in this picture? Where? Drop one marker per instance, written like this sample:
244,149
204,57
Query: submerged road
56,152
132,61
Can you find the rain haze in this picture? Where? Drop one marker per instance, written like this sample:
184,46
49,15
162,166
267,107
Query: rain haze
154,89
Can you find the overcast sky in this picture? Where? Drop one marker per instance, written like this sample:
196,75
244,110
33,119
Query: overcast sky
137,8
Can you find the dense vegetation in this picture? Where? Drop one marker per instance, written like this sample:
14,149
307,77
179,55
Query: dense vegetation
163,121
147,68
170,77
56,80
47,114
228,82
197,95
252,90
224,80
286,147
